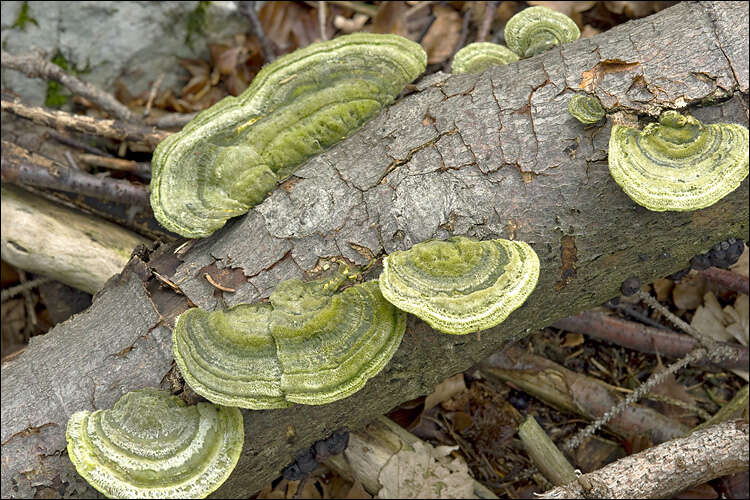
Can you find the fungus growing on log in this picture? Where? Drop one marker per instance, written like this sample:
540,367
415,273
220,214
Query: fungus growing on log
229,357
310,345
460,285
678,163
477,57
536,29
329,344
586,109
231,155
151,445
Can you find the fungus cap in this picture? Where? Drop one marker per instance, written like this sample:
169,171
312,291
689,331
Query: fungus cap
536,29
586,109
151,445
460,285
229,357
310,345
231,155
477,57
329,348
678,163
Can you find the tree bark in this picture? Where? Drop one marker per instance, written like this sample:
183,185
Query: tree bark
490,155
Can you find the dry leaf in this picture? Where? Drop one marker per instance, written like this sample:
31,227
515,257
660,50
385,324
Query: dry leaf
742,266
636,9
426,472
663,289
357,491
688,293
390,18
445,390
727,325
572,340
442,37
588,31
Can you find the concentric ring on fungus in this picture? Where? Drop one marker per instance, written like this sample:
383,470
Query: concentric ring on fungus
678,163
460,285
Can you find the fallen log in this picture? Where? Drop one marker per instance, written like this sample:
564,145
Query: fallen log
489,155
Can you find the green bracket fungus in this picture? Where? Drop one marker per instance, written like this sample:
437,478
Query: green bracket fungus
151,445
678,163
231,155
461,285
310,345
536,29
586,109
229,357
477,57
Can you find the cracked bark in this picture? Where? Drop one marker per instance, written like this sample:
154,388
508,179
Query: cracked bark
490,155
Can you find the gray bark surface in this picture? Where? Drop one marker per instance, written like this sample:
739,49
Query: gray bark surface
490,155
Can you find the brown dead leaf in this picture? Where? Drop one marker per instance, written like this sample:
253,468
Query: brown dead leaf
688,293
311,488
663,289
572,340
289,25
390,18
350,25
357,491
445,390
442,37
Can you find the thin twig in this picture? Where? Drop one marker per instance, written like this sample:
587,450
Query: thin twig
141,169
33,65
728,279
80,123
360,7
654,380
152,95
489,15
643,338
11,292
322,21
247,9
73,142
71,160
417,7
171,120
19,166
29,304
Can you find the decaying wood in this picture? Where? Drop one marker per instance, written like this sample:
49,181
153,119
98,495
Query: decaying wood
577,393
489,155
544,454
77,249
667,469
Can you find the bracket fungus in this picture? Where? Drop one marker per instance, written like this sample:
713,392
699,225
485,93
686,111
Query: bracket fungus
151,445
477,57
310,345
231,155
461,285
678,163
586,109
536,29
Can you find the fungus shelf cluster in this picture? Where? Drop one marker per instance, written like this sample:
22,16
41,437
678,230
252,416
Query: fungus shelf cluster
314,343
310,345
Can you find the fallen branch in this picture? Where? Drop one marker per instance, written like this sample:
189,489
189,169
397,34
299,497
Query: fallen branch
667,469
112,129
33,65
646,339
19,166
